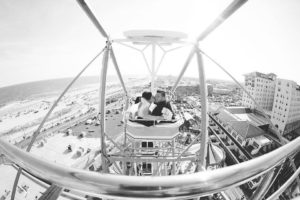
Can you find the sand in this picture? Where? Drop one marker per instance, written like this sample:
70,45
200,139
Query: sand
7,179
54,147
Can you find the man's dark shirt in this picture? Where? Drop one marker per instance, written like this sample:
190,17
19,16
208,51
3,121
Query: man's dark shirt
159,106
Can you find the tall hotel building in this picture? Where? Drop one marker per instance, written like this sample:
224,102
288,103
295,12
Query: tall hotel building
262,88
280,99
286,108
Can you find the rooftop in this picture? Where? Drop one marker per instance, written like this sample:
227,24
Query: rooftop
243,121
269,76
246,129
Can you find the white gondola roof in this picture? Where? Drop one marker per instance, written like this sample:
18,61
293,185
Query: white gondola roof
157,36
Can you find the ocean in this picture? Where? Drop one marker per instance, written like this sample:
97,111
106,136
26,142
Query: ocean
46,87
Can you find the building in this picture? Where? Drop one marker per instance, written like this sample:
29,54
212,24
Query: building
221,91
262,88
286,108
210,89
247,127
191,100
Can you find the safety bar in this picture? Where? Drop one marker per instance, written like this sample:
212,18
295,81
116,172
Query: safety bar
168,187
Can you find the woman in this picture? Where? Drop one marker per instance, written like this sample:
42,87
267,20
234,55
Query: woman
143,110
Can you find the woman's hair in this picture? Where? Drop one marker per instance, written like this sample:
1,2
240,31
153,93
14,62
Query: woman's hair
147,95
137,100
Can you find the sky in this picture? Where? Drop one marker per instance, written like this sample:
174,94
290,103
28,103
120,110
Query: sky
55,39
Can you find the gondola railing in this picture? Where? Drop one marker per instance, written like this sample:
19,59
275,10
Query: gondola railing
169,187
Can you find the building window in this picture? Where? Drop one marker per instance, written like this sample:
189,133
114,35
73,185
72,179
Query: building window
239,140
255,145
147,168
233,134
144,144
147,144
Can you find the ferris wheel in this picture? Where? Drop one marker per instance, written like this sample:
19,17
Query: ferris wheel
149,161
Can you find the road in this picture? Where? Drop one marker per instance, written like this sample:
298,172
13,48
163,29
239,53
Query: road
63,126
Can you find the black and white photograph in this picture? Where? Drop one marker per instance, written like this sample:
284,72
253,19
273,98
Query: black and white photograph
149,99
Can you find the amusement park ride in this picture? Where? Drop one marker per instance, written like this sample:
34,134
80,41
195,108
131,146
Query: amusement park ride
150,162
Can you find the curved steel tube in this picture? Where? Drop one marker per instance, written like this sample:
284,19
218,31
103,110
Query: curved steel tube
178,186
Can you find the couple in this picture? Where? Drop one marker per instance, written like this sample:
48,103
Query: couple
154,107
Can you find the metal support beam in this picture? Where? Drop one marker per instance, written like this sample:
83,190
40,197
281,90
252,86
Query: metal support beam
160,61
92,17
204,117
264,186
186,64
114,60
276,194
234,6
102,105
295,169
153,70
126,45
37,132
147,64
52,193
125,121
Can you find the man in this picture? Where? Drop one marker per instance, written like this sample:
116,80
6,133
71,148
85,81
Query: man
161,102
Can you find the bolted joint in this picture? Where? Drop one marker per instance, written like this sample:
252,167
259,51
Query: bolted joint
108,44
